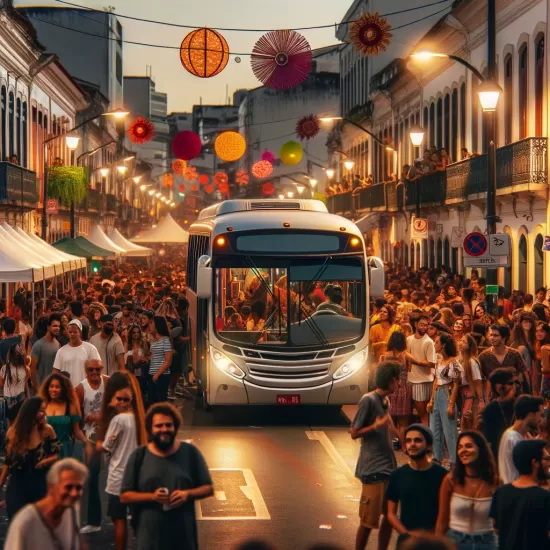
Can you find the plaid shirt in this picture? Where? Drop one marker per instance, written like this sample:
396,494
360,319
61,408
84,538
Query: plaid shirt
489,361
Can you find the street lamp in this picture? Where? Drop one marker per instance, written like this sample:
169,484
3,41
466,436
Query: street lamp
489,93
290,194
143,187
330,173
72,142
136,179
281,197
104,172
122,169
151,192
416,133
349,164
300,188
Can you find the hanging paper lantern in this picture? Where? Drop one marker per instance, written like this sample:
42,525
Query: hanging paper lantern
209,189
186,145
241,177
291,152
182,188
179,166
268,188
191,173
269,156
369,34
203,179
262,169
230,146
281,59
141,131
221,179
223,188
194,187
168,180
204,53
308,127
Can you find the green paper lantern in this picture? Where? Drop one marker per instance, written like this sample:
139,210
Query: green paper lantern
291,152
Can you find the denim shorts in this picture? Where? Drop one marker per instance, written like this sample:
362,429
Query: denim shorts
467,541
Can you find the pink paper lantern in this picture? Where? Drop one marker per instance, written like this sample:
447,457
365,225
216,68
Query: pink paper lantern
269,156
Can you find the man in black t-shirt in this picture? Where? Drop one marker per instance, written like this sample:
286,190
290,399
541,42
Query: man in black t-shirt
415,486
521,510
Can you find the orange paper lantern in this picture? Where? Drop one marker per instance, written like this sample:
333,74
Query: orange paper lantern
262,169
168,180
191,173
203,179
221,179
241,177
179,166
209,189
194,187
204,53
230,146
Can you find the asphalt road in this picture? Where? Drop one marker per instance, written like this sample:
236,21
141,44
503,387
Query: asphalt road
282,474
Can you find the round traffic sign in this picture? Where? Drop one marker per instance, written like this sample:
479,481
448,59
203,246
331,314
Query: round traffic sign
475,244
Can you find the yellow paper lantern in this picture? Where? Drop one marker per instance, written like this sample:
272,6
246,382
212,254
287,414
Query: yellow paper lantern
291,152
204,53
230,146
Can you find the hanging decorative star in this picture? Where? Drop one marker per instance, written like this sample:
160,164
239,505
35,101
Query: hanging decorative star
141,131
281,59
369,34
308,127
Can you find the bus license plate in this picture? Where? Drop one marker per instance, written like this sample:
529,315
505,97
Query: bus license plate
288,399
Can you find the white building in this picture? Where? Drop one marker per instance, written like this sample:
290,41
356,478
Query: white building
441,96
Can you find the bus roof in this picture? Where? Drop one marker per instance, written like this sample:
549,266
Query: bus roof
243,205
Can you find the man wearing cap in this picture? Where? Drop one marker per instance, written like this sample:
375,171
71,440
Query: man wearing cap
415,486
72,357
109,345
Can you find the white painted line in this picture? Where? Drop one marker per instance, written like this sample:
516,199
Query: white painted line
251,491
220,495
329,447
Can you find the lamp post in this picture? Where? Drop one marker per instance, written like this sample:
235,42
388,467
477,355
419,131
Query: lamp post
70,141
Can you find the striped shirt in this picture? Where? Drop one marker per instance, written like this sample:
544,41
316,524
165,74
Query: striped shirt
158,350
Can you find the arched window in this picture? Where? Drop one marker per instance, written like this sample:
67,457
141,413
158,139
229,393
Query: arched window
19,145
439,253
412,264
522,267
431,260
447,123
11,123
522,92
539,262
418,258
439,117
24,136
405,249
454,126
508,99
3,99
475,117
432,126
539,84
447,253
454,260
462,116
425,119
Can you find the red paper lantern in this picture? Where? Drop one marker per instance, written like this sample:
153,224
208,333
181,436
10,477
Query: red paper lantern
141,131
203,179
223,188
241,177
262,169
186,145
209,189
268,188
221,179
194,187
191,173
308,127
182,188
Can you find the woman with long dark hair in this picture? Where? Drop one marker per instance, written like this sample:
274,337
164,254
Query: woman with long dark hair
14,377
471,388
467,322
122,431
523,338
31,448
466,494
442,404
162,351
63,413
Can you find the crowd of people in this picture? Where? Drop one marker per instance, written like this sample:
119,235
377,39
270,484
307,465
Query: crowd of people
462,386
76,386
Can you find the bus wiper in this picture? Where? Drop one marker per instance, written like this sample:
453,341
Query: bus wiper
319,334
311,284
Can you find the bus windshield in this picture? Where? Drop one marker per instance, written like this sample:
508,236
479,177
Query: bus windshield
267,302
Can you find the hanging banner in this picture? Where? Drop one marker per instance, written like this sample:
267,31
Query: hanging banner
546,245
419,228
457,237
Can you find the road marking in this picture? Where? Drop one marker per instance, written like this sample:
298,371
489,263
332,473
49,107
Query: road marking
237,497
329,447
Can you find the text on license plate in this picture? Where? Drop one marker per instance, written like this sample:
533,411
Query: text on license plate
288,400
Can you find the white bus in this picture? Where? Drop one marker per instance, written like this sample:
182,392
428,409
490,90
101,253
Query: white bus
278,296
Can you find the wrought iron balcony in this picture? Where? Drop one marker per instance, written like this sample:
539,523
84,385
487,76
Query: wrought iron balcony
340,204
111,203
17,185
94,200
370,198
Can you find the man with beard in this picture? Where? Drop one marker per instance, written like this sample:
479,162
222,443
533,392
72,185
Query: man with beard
528,413
44,351
521,510
415,486
422,357
109,345
162,480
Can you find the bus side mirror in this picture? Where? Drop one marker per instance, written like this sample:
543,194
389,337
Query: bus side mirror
204,277
376,276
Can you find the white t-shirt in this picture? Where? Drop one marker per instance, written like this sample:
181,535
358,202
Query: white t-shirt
28,532
120,442
508,472
422,349
71,359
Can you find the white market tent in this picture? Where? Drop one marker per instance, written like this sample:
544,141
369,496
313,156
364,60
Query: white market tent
97,236
167,231
130,248
74,262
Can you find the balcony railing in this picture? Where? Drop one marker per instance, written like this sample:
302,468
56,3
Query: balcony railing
522,163
111,203
340,204
94,200
17,185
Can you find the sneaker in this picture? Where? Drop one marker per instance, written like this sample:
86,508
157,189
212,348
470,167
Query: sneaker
172,395
90,529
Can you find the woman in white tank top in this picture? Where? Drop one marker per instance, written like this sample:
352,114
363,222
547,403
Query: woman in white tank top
466,493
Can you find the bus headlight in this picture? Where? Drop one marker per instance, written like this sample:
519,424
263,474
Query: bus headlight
225,364
353,364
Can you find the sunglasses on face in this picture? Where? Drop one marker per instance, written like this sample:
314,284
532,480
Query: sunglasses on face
75,487
95,369
123,399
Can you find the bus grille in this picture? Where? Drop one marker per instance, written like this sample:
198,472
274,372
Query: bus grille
269,372
275,205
